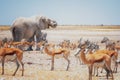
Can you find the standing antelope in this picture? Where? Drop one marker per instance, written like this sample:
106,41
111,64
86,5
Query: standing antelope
59,51
92,59
11,51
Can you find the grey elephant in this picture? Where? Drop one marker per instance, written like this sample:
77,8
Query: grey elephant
27,28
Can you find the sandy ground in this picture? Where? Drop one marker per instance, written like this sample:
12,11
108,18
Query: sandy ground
41,62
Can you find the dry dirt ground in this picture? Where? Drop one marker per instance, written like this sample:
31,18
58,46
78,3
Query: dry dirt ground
40,63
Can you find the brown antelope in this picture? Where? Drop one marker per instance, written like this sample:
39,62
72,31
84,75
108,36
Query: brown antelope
92,59
73,46
11,51
1,43
15,44
113,54
117,47
65,44
59,51
41,43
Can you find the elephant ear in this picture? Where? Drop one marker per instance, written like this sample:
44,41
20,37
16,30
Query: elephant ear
43,23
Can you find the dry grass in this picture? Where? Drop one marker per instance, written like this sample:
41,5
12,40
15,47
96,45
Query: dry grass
4,27
76,27
89,27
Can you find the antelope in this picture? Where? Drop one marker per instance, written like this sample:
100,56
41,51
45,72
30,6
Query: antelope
41,44
87,42
117,47
52,53
21,45
16,44
92,59
113,54
65,44
1,43
11,51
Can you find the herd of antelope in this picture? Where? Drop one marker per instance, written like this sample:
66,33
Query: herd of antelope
89,53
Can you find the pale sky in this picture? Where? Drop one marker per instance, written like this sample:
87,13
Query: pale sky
65,12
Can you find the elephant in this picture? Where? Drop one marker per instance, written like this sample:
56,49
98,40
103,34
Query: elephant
27,28
43,36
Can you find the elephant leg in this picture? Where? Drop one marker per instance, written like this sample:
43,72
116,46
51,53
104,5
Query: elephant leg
38,38
18,34
30,47
38,35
